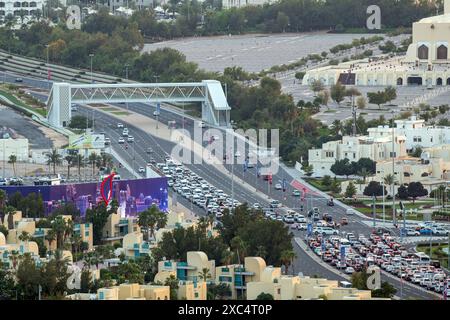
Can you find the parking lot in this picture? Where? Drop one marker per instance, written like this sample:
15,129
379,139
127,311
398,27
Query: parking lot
253,52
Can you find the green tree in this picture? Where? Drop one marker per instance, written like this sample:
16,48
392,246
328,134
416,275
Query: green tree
287,258
361,102
172,282
350,191
374,189
416,190
12,160
53,158
151,219
342,168
317,86
69,159
337,92
7,285
377,98
326,181
264,296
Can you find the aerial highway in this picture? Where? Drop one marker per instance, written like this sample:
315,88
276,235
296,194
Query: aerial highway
255,190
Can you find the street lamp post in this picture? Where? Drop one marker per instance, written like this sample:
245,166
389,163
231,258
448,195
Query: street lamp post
91,55
48,68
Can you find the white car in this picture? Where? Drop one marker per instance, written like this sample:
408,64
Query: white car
349,270
155,113
278,186
237,154
201,124
120,125
256,206
121,140
125,132
141,169
130,139
350,212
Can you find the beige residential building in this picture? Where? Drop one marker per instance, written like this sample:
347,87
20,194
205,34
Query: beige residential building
133,291
116,227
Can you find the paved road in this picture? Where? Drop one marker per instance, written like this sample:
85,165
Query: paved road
222,181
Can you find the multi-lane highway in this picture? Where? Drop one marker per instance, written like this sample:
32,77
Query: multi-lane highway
136,156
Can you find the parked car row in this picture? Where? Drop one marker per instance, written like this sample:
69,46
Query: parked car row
14,181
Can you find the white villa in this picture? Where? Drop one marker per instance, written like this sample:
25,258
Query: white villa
353,149
416,132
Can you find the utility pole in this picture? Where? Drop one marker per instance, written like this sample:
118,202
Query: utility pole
354,116
48,68
394,216
374,209
91,56
384,204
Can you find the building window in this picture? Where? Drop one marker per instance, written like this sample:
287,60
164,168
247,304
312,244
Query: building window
16,4
33,4
423,52
442,52
2,4
278,291
24,4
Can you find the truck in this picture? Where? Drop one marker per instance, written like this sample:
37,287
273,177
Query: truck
52,180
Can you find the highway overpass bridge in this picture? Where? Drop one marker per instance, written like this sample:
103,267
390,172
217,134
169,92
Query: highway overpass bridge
215,109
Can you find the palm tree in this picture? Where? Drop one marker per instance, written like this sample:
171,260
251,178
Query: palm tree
106,160
287,257
10,211
79,161
50,237
59,226
204,274
363,173
390,181
25,236
14,258
53,158
3,198
94,159
69,159
336,127
261,251
241,248
227,256
151,219
12,160
202,224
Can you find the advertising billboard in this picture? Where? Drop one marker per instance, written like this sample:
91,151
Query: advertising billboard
86,141
133,196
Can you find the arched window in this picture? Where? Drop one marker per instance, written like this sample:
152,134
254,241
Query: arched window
32,4
16,4
439,81
442,52
16,13
2,12
423,52
400,81
24,4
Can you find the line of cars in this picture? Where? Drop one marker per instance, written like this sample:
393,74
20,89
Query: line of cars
383,250
196,189
426,228
14,181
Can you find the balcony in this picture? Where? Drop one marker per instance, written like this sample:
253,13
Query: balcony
184,266
241,271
